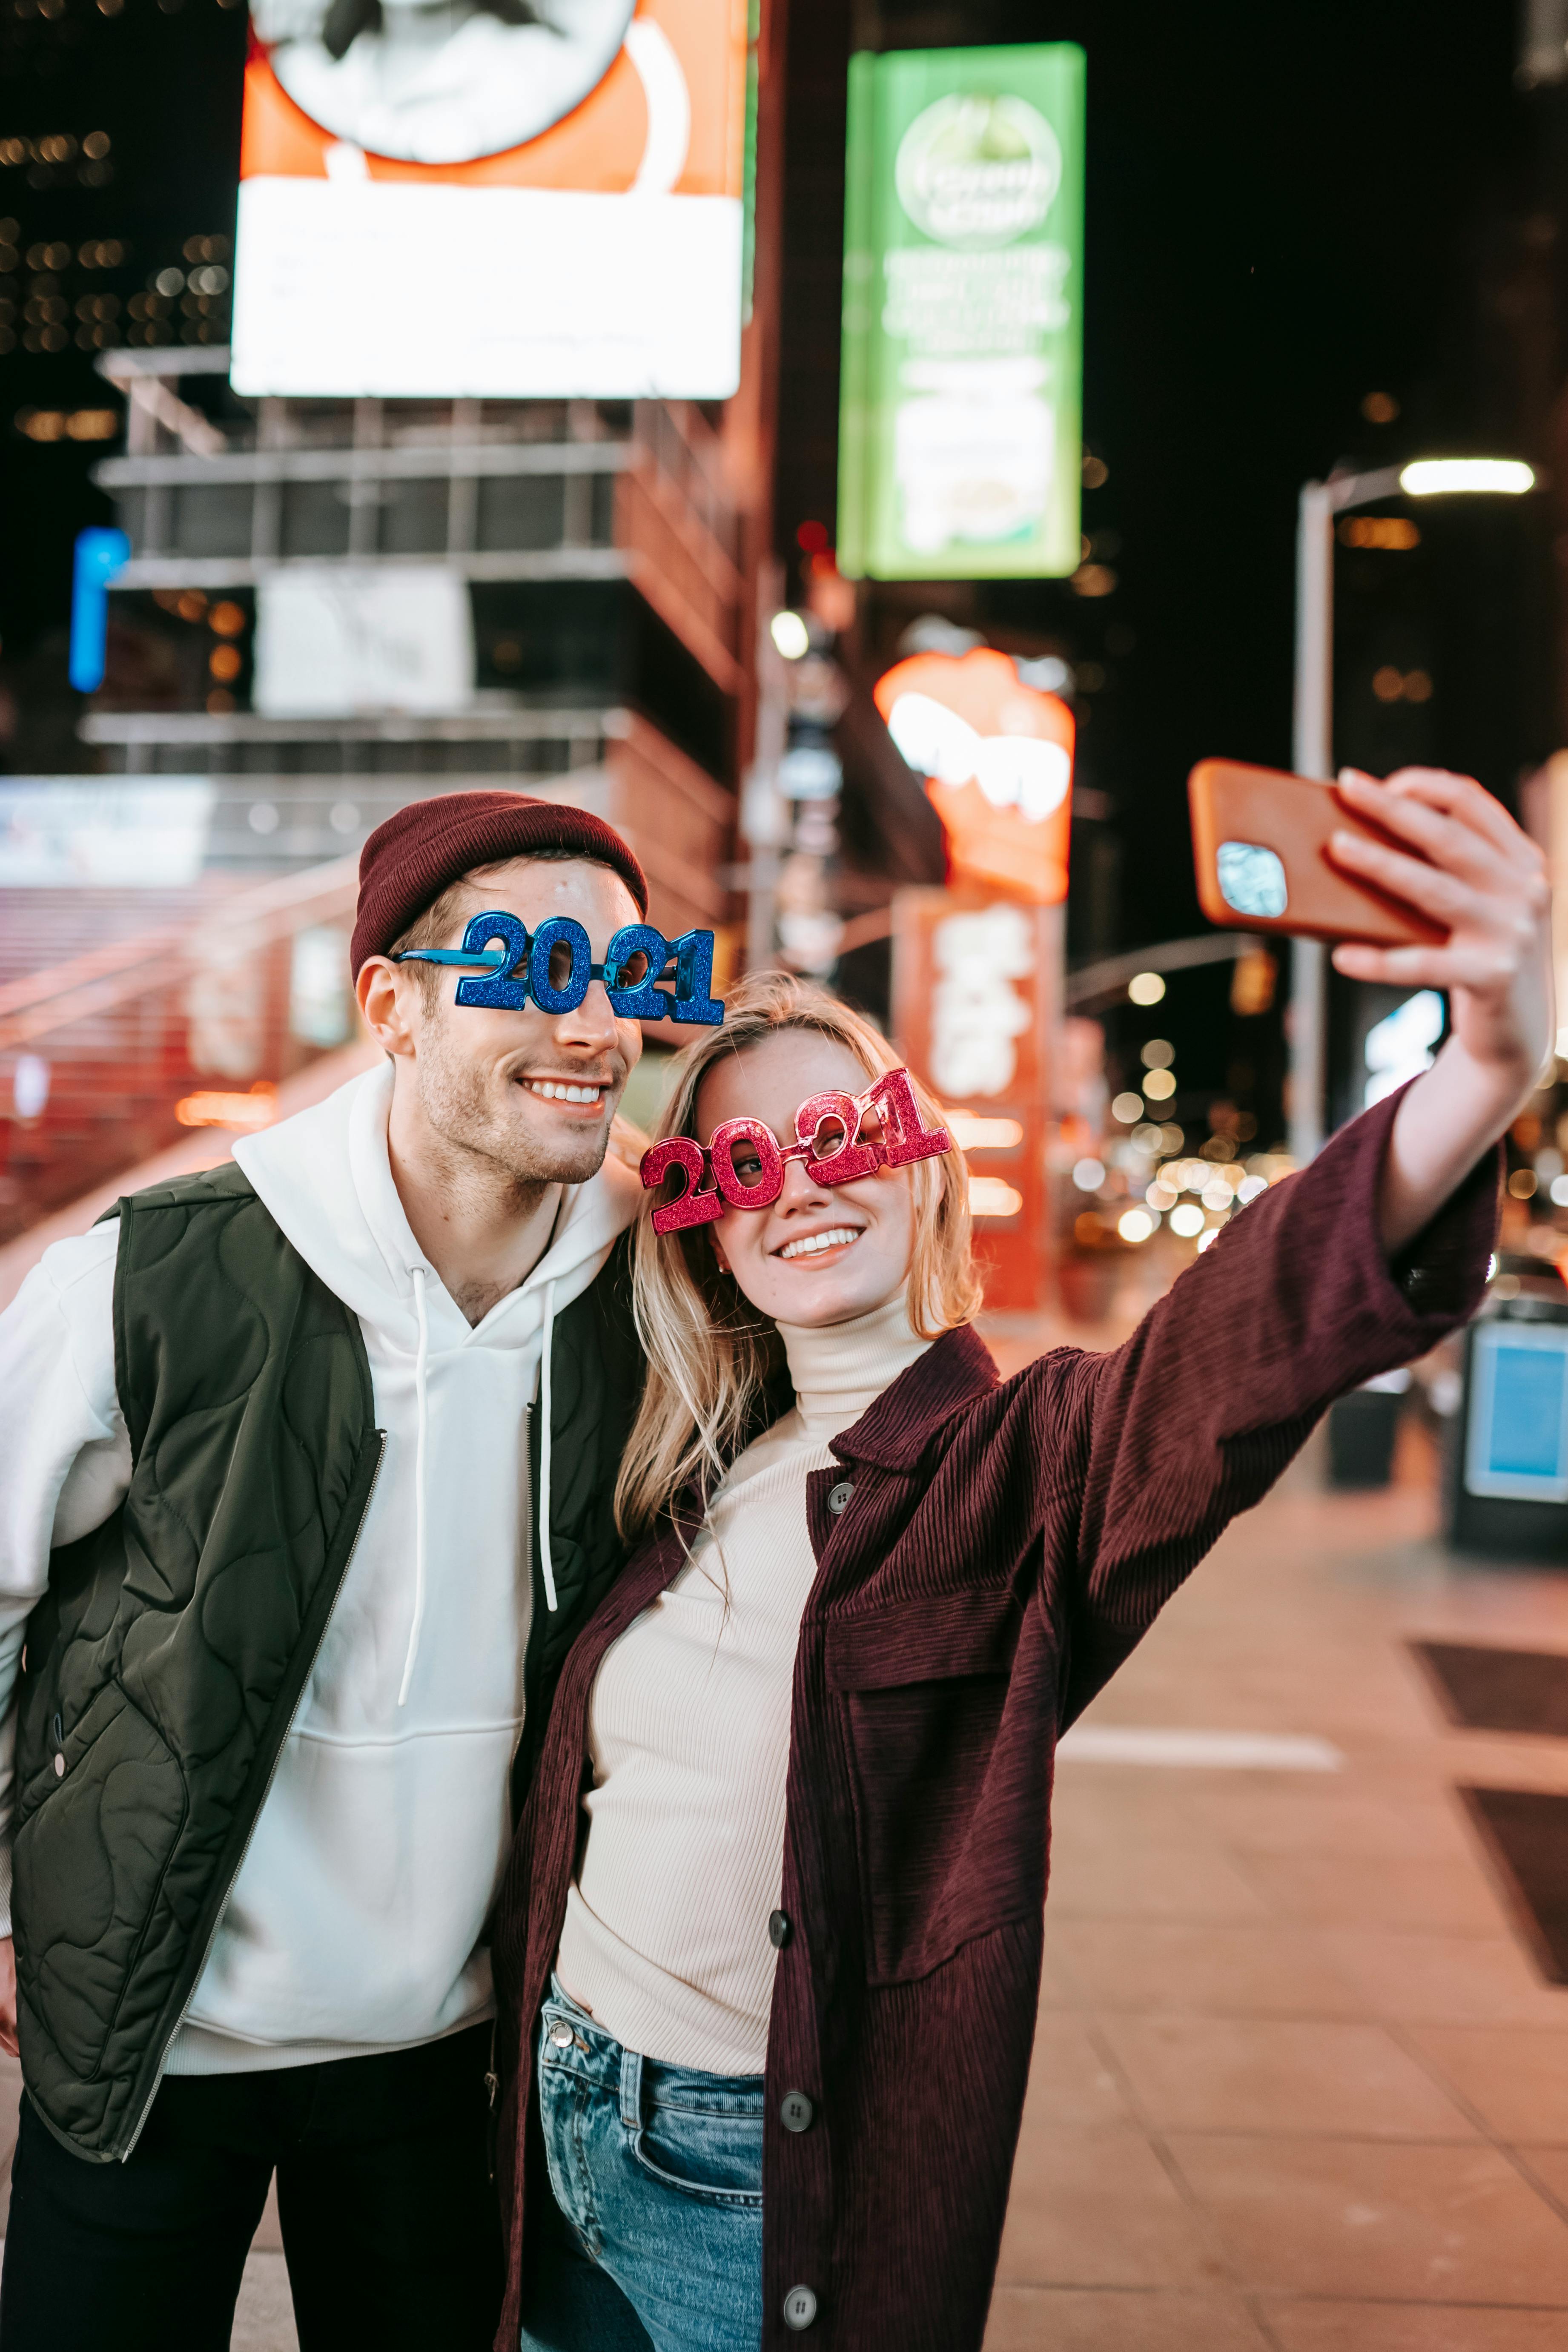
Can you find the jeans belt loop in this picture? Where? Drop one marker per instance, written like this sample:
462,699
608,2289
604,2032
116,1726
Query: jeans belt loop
631,2090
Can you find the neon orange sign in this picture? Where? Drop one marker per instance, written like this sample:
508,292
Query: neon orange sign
997,760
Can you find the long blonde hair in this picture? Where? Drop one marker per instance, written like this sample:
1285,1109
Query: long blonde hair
710,1352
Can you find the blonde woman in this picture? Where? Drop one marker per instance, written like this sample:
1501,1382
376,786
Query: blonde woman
768,1952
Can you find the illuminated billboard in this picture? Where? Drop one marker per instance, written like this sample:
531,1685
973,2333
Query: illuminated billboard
998,758
502,198
960,424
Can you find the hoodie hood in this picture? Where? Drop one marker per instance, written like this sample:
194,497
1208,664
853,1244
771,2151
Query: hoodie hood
325,1178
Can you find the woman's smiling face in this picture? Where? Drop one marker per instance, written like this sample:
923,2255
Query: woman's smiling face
822,1253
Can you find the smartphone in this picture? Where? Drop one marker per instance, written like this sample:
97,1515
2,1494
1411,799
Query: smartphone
1260,839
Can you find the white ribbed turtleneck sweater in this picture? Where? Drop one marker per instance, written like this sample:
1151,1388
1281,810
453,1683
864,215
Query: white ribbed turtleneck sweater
665,1938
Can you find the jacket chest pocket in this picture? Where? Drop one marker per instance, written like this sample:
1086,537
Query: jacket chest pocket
921,1689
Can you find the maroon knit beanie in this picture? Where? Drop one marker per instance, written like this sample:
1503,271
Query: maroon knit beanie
407,862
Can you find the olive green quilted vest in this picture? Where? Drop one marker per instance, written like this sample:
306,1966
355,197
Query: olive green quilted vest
163,1667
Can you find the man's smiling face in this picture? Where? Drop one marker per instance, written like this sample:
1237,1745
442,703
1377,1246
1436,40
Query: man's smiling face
531,1092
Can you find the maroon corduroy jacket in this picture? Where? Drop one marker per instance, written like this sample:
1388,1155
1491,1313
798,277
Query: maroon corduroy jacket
1001,1548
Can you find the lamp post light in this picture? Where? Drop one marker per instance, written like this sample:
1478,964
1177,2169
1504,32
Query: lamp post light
1313,733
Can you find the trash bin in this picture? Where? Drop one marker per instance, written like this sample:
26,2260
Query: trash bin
1507,1483
1362,1428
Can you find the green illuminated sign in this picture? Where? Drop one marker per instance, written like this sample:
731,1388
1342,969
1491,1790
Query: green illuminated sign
958,448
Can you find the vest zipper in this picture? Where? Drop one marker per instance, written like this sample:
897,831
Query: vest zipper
266,1793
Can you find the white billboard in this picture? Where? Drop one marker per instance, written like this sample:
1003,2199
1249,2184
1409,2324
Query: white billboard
334,638
73,833
511,198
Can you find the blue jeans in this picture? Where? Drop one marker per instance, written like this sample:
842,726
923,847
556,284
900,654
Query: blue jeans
658,2175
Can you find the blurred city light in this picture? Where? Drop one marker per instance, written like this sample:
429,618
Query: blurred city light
1126,1108
1403,1044
249,1112
1157,1054
1379,530
1160,1085
1431,477
1088,1175
30,1086
973,1133
990,1197
1187,1220
791,635
1135,1225
1146,988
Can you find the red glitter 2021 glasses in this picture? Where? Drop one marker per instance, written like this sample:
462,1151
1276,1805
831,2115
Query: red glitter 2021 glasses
714,1183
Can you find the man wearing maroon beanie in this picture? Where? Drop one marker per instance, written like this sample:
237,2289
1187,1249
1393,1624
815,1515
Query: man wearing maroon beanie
332,1437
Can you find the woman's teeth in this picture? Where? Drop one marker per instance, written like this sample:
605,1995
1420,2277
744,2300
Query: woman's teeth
557,1090
811,1244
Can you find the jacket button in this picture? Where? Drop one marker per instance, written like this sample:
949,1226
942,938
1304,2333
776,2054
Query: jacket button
59,1768
800,2307
779,1929
796,2111
841,1496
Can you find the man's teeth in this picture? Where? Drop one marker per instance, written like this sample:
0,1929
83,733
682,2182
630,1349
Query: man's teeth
810,1243
557,1090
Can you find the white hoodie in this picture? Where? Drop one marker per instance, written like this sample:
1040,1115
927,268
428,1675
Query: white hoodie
355,1923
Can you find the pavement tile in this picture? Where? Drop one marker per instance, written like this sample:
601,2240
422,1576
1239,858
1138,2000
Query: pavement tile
1118,1879
1277,2076
1237,1969
1360,2219
1409,2327
264,2314
1070,2081
268,2238
1550,2166
1098,2209
1447,1895
1443,1980
1515,2076
1324,1816
1059,1987
1028,2319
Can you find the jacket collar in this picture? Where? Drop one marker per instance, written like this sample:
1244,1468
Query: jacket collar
893,1432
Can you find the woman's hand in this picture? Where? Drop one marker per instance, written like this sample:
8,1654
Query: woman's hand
1477,873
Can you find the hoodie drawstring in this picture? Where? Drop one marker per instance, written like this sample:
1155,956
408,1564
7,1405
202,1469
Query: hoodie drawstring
420,1368
544,1559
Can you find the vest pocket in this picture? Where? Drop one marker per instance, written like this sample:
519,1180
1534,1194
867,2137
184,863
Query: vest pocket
92,1847
922,1688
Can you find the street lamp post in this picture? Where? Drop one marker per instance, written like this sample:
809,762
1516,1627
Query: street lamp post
1312,754
1313,751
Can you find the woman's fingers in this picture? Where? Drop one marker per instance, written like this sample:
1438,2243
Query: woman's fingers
1432,889
1443,832
1477,963
1460,796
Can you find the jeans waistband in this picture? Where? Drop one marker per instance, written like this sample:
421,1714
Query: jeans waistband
636,2083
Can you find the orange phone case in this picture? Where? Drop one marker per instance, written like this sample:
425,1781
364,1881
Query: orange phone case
1258,839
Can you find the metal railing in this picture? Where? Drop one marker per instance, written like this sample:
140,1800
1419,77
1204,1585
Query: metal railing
110,1054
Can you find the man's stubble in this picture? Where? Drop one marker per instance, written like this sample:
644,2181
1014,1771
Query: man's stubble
476,1123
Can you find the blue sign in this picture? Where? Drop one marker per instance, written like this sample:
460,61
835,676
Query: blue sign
1517,1442
102,555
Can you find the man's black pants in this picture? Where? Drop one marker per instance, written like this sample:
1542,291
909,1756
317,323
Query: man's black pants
383,2191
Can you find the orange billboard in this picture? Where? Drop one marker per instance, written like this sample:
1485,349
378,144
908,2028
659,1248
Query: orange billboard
463,198
975,1003
997,758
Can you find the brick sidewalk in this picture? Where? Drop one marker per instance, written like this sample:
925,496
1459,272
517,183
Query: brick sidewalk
1298,2086
1297,2083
